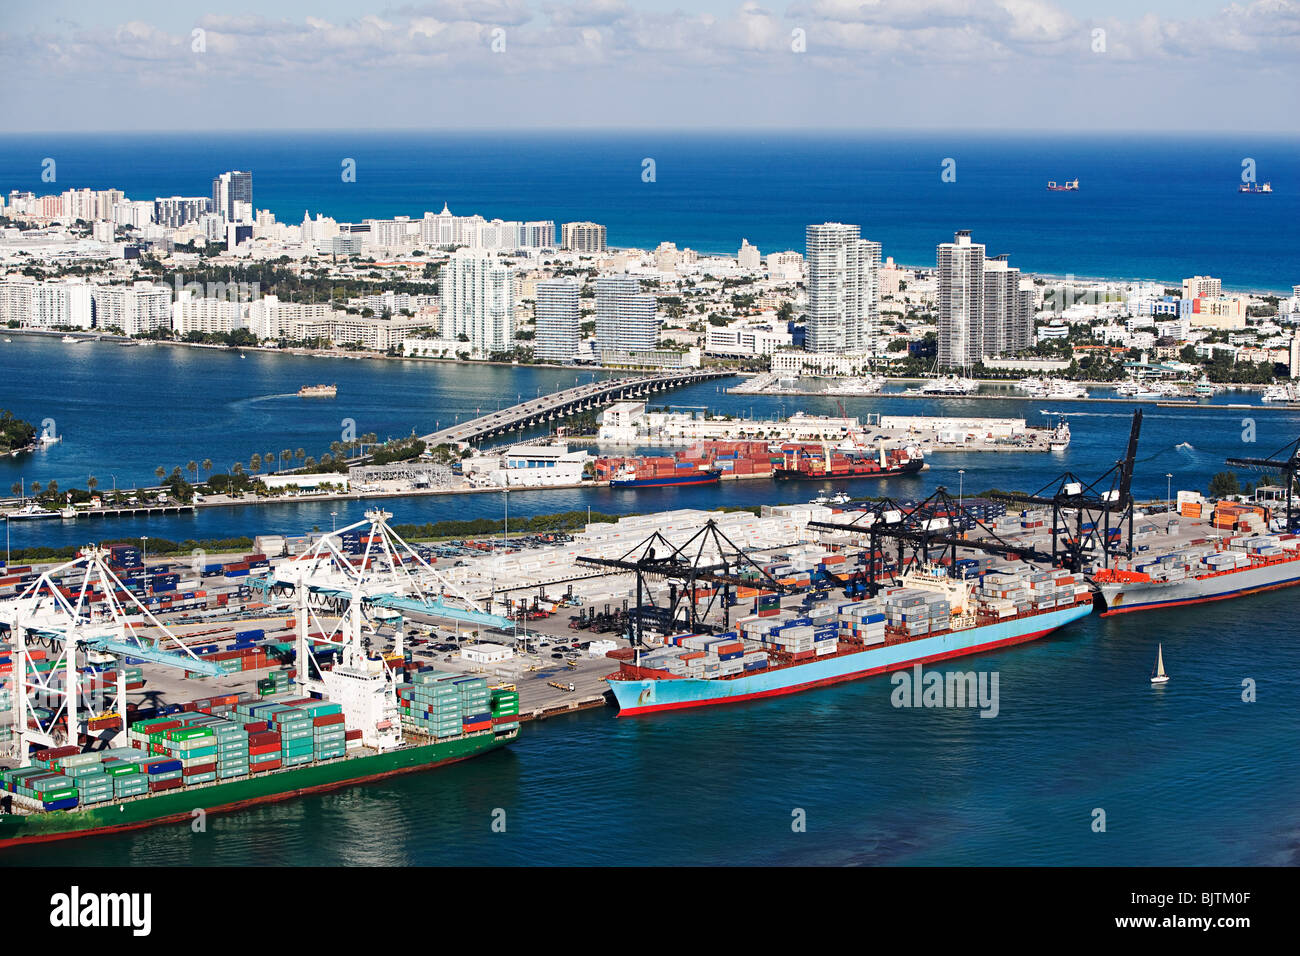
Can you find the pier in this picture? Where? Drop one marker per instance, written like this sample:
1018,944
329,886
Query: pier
570,401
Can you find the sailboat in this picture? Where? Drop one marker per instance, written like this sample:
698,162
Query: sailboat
1158,676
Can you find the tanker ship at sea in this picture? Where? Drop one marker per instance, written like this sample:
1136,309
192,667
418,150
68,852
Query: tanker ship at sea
929,618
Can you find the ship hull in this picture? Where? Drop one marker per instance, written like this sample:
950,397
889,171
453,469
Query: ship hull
1127,598
794,474
670,481
177,805
677,693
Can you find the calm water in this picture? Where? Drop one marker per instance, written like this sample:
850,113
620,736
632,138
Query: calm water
123,412
1130,218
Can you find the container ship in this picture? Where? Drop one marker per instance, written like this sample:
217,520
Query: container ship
929,617
815,462
631,477
1205,570
703,463
238,750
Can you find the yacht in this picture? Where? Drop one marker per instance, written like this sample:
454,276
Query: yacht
29,512
1128,388
1277,392
947,385
1059,440
862,385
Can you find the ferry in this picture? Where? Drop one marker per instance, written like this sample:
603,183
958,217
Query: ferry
317,391
29,513
1069,186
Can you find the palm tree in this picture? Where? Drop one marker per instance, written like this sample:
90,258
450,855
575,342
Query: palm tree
36,489
16,489
269,459
310,462
336,448
207,467
286,456
325,459
255,463
53,487
92,483
193,468
161,472
299,454
237,469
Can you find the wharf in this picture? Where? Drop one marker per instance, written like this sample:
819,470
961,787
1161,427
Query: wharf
1004,397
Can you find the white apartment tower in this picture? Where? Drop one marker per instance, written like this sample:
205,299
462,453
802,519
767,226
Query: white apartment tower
961,301
843,280
478,301
557,321
625,317
581,237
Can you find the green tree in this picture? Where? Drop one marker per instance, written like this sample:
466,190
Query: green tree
1224,485
255,463
160,472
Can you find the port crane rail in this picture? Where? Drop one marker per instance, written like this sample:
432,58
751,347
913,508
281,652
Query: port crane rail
388,578
46,705
1093,503
707,557
927,524
936,522
1286,462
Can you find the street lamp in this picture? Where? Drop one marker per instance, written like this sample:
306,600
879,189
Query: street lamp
144,561
961,484
1169,491
333,523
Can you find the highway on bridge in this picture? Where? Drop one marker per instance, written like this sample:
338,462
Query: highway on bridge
561,404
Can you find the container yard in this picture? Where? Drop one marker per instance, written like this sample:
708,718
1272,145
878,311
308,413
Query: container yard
149,688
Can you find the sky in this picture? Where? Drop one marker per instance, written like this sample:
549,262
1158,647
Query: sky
1151,65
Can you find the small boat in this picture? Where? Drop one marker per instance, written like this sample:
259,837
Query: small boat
1255,188
840,498
1158,676
71,340
1069,186
68,512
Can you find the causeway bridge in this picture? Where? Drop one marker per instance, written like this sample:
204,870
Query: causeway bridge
570,401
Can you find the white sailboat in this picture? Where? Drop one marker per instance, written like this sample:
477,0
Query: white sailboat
1158,676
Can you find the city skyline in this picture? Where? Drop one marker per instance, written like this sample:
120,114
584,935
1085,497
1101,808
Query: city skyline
976,64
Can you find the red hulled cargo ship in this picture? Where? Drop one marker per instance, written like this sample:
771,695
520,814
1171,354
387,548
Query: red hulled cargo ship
820,462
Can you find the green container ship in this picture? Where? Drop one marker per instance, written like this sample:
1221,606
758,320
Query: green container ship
228,754
20,826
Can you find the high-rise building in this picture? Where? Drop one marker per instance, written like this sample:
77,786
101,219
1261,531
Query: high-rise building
961,301
582,237
625,317
557,321
478,300
229,189
748,257
1198,286
175,211
986,307
843,280
142,307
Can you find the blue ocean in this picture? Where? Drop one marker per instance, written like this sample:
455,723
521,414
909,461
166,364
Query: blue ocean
1160,207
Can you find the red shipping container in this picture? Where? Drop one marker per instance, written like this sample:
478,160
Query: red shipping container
471,728
263,737
256,727
261,767
327,719
352,735
156,785
258,749
200,768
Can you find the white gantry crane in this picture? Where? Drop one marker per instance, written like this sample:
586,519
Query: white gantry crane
74,623
339,596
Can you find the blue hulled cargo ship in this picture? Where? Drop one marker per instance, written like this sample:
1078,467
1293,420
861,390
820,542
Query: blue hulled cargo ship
928,619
